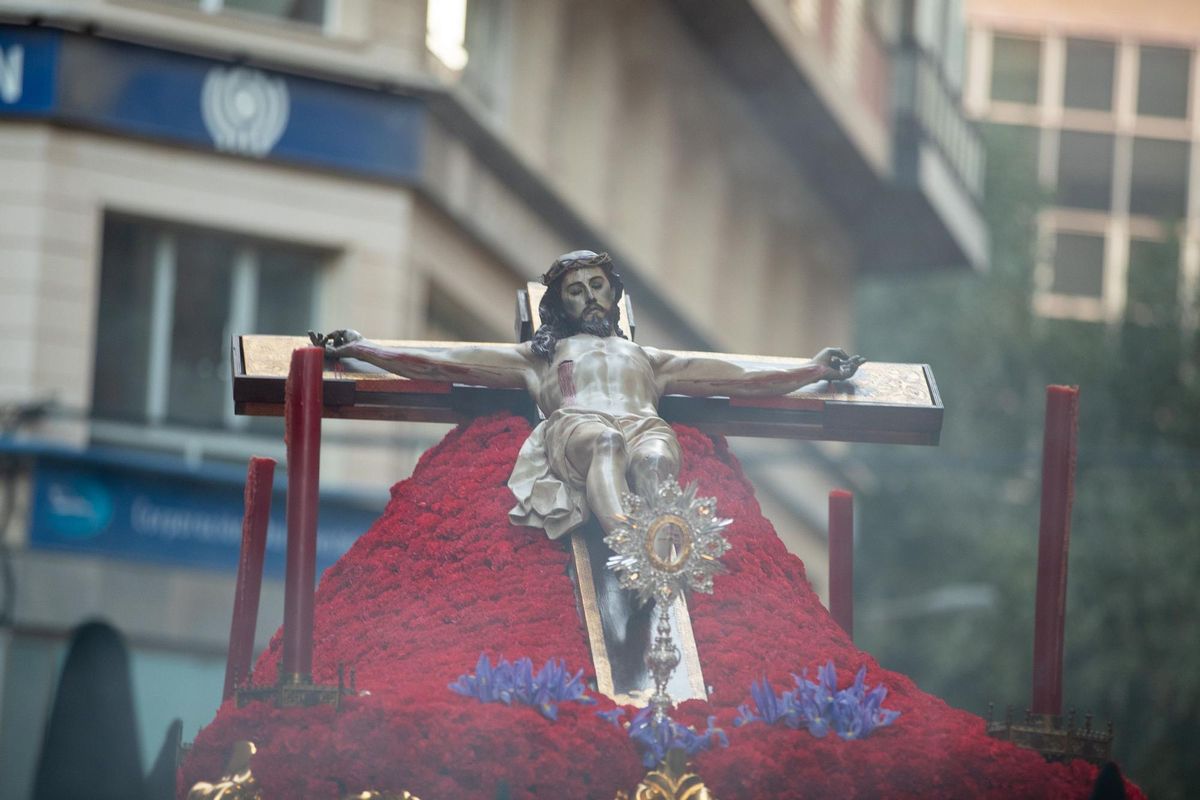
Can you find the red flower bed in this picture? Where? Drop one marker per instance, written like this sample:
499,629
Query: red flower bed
443,576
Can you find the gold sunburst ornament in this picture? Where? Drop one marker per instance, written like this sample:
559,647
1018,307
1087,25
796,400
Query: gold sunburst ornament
668,542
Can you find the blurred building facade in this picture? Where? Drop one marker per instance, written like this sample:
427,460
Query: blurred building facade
1101,97
176,172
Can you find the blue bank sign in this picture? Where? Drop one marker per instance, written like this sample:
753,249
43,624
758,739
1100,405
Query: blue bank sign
190,100
109,509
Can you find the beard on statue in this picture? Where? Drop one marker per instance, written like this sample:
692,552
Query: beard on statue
602,326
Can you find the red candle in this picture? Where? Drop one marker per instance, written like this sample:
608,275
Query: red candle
257,516
841,559
1058,490
302,415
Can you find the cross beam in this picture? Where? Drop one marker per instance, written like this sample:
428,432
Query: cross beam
885,403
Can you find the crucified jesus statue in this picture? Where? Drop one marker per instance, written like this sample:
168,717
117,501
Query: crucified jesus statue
598,391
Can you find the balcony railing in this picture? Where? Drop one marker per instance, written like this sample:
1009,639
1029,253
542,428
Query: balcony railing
898,83
923,96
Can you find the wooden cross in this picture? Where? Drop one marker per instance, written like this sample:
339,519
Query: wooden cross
888,403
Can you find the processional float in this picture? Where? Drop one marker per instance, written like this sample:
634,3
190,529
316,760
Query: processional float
885,403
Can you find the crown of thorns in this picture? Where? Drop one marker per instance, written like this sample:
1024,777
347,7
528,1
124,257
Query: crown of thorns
575,260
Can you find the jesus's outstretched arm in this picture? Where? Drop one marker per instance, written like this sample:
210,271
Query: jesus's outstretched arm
499,366
706,376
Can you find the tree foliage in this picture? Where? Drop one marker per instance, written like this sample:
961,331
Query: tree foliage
948,536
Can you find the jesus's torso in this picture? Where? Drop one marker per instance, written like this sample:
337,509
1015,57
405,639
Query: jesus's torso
590,373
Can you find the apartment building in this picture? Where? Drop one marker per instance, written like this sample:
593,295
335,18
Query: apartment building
1101,99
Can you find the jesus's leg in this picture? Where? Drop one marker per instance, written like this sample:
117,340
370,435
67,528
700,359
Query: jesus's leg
652,462
598,453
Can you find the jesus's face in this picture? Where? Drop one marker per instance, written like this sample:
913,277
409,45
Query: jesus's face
587,295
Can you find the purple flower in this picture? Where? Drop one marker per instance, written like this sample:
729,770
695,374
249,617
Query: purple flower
515,682
851,713
656,739
481,685
772,708
816,700
613,717
561,686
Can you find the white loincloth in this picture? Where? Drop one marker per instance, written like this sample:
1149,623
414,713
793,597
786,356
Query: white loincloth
549,490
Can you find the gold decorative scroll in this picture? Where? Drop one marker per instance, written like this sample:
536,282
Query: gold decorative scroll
671,781
238,783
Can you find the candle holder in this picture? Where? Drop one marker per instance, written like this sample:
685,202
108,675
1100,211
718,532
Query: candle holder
667,542
1055,737
293,691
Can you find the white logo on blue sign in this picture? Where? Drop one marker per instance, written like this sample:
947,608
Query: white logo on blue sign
245,110
79,507
12,73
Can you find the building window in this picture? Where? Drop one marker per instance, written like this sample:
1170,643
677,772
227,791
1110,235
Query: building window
1078,265
311,12
473,39
446,31
488,38
1085,170
1012,156
448,320
1016,68
1163,81
1160,173
1088,82
1153,278
171,298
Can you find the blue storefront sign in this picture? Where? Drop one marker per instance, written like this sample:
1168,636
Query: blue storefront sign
128,510
132,89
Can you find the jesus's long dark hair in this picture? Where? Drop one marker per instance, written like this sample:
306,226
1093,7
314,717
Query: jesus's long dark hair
556,323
